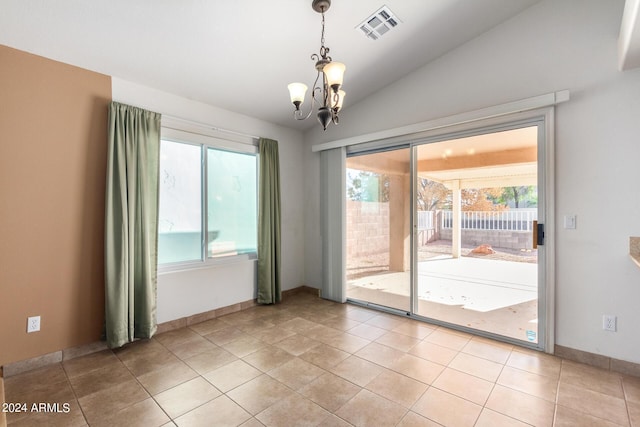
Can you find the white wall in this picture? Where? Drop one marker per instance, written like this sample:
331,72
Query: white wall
554,45
190,292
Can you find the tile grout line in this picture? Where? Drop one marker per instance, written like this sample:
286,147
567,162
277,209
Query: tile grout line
504,364
225,393
75,396
177,385
626,403
557,400
142,385
296,392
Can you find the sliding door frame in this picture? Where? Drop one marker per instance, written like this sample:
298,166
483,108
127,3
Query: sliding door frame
545,120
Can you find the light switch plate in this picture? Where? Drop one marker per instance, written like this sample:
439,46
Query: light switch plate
570,222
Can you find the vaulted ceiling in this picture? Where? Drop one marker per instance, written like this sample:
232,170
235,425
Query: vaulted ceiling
240,55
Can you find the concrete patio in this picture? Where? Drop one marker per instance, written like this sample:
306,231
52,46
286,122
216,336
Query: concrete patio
495,296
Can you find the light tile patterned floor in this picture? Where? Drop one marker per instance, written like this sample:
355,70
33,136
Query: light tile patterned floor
311,362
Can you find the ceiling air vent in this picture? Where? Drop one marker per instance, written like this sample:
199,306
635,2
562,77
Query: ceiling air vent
379,23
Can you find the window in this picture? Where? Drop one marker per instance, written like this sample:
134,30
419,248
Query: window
231,203
206,184
180,211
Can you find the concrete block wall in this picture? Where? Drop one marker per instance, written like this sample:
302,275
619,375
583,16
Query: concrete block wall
367,228
496,238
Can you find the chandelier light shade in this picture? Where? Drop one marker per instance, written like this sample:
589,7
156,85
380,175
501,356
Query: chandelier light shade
327,90
334,72
297,91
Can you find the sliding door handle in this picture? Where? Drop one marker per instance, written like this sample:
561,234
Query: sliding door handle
538,234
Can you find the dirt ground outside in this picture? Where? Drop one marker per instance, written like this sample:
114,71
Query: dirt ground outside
443,247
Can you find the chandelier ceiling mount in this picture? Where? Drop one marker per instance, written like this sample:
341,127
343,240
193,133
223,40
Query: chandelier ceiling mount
321,6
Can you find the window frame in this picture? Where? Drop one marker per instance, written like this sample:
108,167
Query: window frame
207,138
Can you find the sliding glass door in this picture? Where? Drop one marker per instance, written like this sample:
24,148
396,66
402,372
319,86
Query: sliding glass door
378,231
443,229
477,206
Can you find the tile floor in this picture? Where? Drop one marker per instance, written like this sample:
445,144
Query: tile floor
312,362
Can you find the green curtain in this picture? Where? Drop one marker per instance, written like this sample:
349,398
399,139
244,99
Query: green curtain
269,291
131,224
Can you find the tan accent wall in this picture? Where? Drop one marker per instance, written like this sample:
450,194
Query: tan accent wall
53,143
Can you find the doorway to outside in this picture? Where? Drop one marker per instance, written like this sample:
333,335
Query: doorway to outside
378,227
460,251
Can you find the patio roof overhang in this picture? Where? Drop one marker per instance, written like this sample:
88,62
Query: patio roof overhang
510,175
499,159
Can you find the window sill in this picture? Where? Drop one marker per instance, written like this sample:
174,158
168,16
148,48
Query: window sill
209,263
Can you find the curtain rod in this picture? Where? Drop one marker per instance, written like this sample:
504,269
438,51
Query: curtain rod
209,127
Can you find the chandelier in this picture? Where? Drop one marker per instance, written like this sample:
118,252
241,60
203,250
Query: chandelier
327,94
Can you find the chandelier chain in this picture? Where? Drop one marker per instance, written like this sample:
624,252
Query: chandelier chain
322,35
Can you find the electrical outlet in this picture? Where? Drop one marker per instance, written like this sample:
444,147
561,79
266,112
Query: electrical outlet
33,324
609,322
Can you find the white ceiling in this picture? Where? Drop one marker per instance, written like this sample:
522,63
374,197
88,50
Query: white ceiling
240,55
